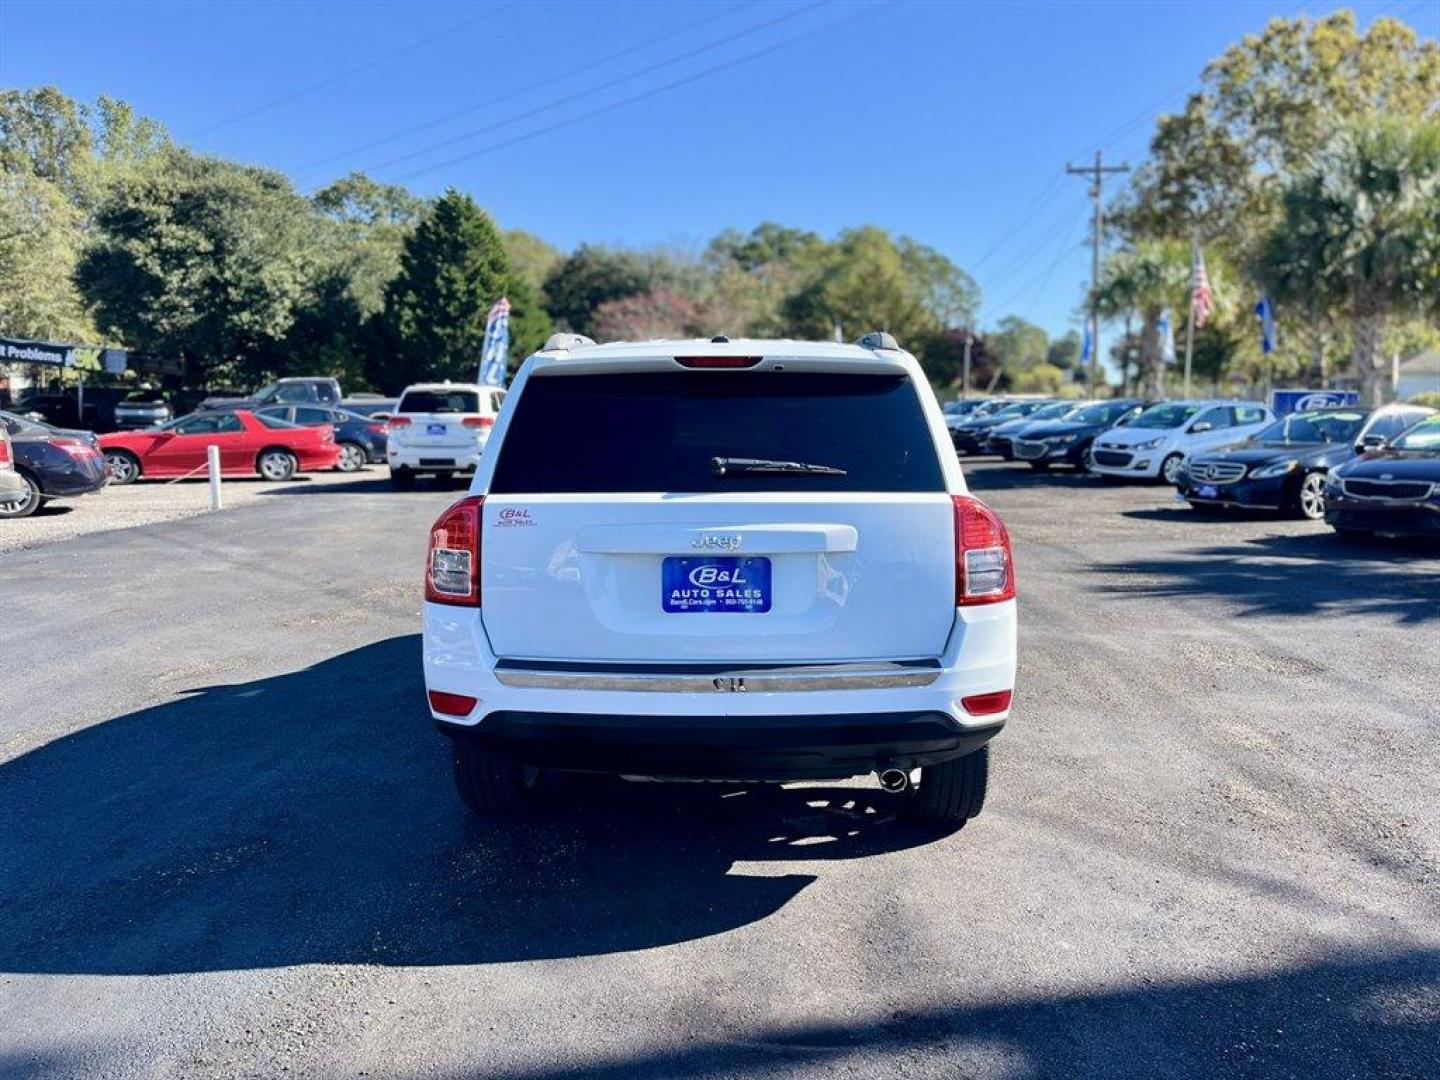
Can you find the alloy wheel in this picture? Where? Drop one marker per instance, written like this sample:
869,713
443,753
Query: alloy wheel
1312,496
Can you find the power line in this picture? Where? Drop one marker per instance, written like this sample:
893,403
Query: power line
1026,215
1096,173
256,110
597,88
549,80
505,144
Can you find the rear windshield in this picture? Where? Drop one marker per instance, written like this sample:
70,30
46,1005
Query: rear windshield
439,401
660,431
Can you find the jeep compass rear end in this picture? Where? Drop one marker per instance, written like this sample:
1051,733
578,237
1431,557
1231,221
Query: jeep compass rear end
749,560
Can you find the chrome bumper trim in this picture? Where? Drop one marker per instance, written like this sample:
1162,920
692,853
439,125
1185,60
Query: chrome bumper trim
801,677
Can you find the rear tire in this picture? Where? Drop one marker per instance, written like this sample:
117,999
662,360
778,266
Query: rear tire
29,505
352,457
402,479
491,783
953,792
276,465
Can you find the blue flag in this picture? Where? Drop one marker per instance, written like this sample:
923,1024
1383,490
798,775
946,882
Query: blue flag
1266,310
495,353
1086,345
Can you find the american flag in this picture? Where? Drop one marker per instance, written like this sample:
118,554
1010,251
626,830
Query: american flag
1200,299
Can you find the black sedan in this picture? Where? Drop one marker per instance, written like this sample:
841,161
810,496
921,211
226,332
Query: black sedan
1393,491
970,434
1067,441
361,439
1282,467
53,462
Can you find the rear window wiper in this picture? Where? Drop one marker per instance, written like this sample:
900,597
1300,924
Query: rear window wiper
745,466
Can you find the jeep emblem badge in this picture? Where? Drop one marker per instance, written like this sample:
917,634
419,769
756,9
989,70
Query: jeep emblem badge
716,542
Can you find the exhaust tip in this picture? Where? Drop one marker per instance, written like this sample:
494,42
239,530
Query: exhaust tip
894,780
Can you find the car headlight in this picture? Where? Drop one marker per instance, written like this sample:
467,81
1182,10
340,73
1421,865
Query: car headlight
1149,444
1269,472
1061,440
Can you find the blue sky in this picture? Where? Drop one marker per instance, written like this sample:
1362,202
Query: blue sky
951,122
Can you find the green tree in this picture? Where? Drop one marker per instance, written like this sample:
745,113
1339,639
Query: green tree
1064,352
1268,104
863,283
201,259
452,269
949,294
1360,229
588,277
530,257
766,245
40,243
1019,345
363,227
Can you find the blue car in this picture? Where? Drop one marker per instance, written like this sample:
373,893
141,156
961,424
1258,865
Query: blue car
360,438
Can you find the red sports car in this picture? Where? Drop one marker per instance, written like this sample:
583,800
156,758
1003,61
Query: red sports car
249,444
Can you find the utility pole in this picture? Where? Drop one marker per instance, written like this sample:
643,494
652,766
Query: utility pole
1096,173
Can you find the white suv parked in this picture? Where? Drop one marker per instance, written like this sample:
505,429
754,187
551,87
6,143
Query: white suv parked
763,566
1156,442
439,428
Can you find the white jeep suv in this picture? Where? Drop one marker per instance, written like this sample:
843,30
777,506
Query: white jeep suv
439,428
764,565
1156,442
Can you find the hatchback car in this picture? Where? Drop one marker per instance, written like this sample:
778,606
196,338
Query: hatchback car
765,566
1155,443
1000,439
968,437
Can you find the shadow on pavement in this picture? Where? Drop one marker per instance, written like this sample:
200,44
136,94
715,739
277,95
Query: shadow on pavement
1294,575
310,818
1346,1016
372,482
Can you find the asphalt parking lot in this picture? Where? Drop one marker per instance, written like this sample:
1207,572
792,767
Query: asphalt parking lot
231,848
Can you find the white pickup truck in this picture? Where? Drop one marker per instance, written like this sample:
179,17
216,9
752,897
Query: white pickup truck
763,565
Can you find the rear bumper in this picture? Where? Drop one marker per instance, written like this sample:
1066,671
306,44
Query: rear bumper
433,458
1400,519
754,721
779,747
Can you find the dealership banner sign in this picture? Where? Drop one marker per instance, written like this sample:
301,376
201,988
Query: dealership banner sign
56,354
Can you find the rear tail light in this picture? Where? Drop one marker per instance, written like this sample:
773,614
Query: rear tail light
397,422
984,566
452,565
442,701
478,421
74,447
718,361
375,429
986,704
5,458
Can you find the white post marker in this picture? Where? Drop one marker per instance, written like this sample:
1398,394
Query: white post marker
212,458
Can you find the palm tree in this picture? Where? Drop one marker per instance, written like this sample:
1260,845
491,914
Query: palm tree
1359,233
1143,280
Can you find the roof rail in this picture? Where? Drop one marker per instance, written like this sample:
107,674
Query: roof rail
566,342
879,339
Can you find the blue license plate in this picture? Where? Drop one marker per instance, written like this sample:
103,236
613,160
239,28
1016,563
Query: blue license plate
1208,491
711,583
437,429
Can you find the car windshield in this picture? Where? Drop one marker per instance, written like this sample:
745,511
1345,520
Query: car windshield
1101,413
1424,436
664,431
439,401
1313,427
1010,412
1165,416
1054,411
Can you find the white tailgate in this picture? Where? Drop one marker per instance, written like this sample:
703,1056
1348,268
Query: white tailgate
437,430
572,577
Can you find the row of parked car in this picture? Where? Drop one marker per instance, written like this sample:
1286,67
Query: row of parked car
1362,470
